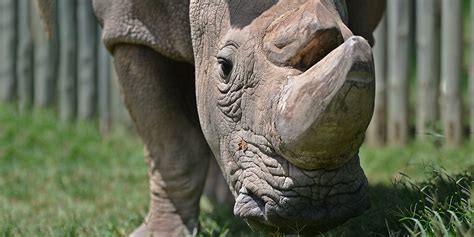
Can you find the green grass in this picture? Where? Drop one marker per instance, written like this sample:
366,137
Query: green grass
66,180
440,203
416,160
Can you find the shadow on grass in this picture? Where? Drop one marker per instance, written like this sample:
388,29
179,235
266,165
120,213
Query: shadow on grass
440,205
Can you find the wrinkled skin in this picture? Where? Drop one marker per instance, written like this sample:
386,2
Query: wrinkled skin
283,91
287,126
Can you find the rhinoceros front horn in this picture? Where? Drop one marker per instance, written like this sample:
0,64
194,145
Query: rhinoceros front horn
323,113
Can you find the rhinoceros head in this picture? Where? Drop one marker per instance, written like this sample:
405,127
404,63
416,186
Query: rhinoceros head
285,93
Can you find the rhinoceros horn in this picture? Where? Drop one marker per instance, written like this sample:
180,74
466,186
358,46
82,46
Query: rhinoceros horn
323,112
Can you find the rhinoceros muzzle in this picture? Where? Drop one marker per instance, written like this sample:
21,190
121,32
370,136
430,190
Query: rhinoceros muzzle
308,202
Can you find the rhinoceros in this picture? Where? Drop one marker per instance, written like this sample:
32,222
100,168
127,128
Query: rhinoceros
280,92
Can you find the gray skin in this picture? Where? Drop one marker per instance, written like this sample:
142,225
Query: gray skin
280,92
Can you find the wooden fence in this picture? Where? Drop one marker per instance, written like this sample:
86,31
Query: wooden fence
426,97
424,66
71,72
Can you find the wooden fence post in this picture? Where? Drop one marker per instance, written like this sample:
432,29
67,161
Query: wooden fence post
398,17
68,59
376,133
87,60
104,77
471,75
428,63
45,60
25,55
451,53
8,46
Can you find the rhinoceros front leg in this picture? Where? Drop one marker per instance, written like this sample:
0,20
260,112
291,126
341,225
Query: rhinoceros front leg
159,94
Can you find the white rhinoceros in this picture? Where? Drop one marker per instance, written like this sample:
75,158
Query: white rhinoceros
279,91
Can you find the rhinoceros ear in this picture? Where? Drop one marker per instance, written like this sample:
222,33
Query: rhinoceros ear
47,12
364,16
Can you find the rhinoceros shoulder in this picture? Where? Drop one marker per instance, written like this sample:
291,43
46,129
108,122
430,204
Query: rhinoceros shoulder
162,25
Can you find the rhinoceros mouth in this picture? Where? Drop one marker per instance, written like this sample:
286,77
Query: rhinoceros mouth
275,195
294,213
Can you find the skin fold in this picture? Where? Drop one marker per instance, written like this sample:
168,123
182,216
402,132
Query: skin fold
279,92
276,161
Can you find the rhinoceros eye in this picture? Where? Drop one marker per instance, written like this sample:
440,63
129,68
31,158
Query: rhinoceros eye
225,68
225,60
